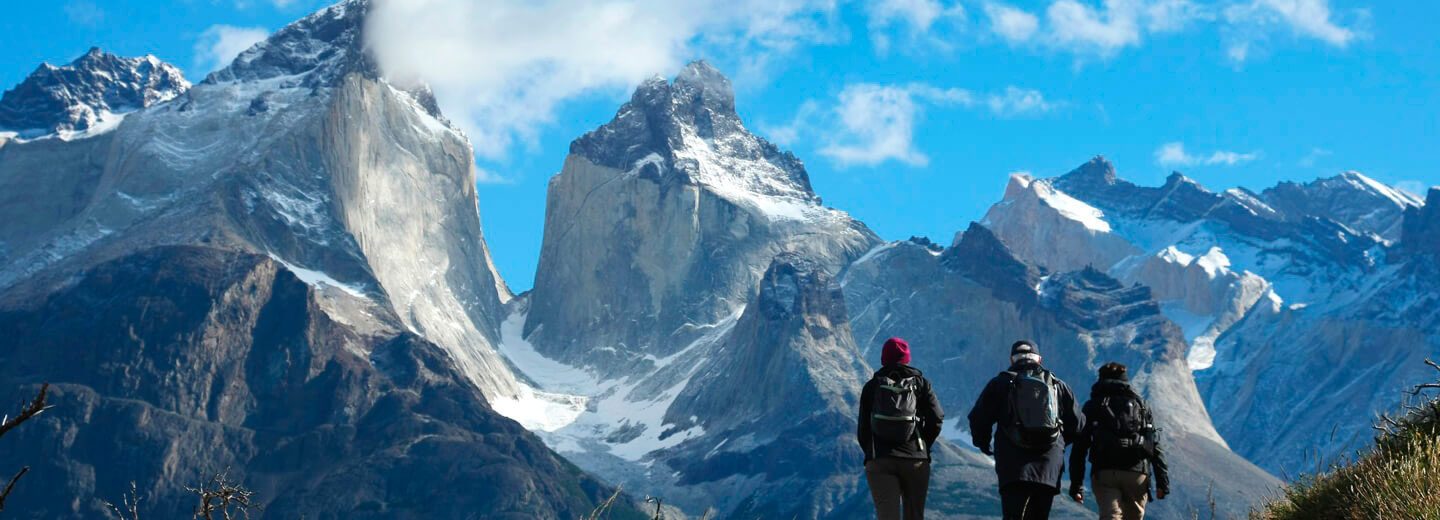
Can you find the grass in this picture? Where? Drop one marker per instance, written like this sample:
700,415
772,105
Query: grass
1398,478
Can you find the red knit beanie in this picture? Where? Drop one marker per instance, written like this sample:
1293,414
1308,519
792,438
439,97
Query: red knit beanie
896,351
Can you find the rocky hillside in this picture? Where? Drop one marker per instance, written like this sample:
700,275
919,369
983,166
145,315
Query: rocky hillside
177,362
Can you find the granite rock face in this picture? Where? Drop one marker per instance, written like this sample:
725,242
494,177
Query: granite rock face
686,266
663,221
340,174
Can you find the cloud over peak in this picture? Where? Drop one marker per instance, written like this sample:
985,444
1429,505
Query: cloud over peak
1174,154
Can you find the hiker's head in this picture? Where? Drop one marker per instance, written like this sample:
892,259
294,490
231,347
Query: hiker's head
1024,350
1116,371
896,351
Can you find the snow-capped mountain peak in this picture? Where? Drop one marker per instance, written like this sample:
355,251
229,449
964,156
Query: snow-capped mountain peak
90,93
687,130
1351,198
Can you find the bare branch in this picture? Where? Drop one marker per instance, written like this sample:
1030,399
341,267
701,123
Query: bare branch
11,486
27,411
131,503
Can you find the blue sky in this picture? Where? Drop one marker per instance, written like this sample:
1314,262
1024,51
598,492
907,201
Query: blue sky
909,114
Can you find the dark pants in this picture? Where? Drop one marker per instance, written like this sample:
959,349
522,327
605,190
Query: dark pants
1026,501
894,482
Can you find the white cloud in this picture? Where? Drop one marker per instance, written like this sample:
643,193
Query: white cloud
914,18
220,44
1018,101
1081,28
1230,158
1013,25
1074,24
1174,154
871,124
501,69
1251,22
877,122
1086,29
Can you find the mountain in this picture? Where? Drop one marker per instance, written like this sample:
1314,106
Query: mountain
663,220
962,308
1341,361
280,271
686,264
1313,289
91,93
1350,198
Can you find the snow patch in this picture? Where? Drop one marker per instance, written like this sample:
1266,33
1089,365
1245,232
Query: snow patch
1069,207
319,279
1397,197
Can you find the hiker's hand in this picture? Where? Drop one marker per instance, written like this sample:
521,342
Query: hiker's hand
1161,493
1078,495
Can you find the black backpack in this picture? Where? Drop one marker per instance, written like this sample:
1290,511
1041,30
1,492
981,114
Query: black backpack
1034,409
893,411
1124,428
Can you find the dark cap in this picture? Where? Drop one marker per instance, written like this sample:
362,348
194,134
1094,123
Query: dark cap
1024,346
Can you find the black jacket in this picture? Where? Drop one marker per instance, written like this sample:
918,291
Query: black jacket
927,407
1013,463
1098,461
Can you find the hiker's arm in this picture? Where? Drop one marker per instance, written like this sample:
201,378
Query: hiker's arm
1078,452
933,415
1162,472
1070,415
862,429
984,416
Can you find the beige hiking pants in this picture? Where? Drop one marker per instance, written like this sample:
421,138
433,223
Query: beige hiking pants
1121,494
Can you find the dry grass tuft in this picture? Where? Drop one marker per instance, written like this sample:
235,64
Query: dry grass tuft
1399,478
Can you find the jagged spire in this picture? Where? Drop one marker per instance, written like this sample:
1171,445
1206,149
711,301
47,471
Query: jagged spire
1098,169
671,127
319,49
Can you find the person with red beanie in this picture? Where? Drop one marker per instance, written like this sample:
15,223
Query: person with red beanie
899,421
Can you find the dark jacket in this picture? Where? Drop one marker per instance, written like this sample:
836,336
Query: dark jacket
927,408
1098,460
1013,463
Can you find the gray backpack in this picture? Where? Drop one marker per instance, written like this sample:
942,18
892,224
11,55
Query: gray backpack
893,411
1034,410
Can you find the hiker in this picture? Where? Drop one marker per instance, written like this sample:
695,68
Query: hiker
899,422
1036,417
1123,448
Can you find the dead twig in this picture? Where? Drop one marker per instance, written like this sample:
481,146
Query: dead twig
27,411
11,486
220,495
